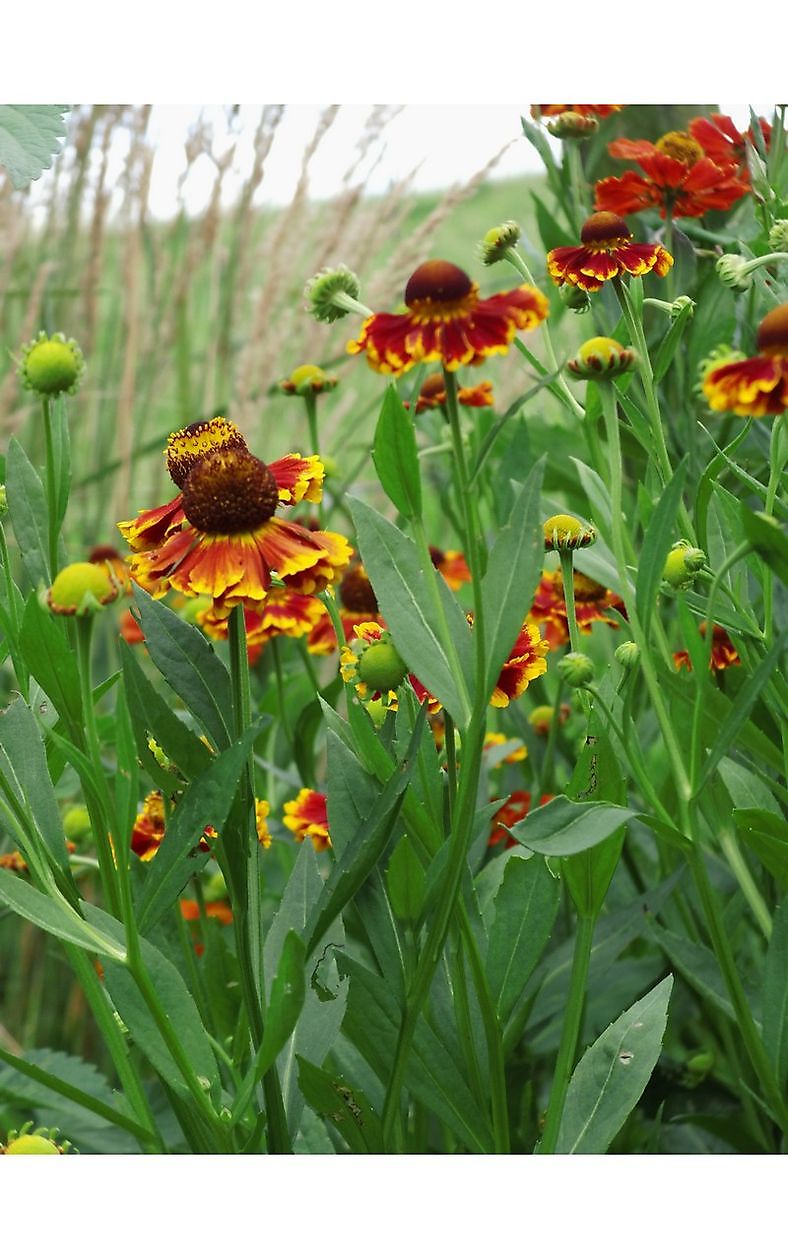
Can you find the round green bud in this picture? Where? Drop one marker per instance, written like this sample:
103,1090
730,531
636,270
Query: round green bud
778,236
575,299
308,379
328,291
32,1144
627,654
76,824
381,667
734,273
601,358
576,669
682,564
567,533
81,589
51,366
494,244
700,1064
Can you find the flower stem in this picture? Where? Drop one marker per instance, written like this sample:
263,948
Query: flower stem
247,916
570,1033
52,482
310,403
518,262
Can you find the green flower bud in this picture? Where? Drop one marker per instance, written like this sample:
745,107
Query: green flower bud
601,358
734,273
627,654
308,379
567,533
29,1141
51,366
494,244
682,564
381,667
575,299
778,236
576,669
681,304
81,589
332,293
572,126
76,824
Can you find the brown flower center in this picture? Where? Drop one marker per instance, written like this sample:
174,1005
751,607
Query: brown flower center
230,492
188,446
437,281
437,556
103,552
681,146
773,331
356,593
604,226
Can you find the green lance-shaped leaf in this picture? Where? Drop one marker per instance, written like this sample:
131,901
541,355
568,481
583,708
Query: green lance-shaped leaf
367,845
767,836
612,1074
405,880
150,713
54,915
190,666
525,908
344,1106
739,713
175,999
395,455
658,540
51,661
350,794
563,827
512,575
697,965
27,508
284,1007
775,996
24,769
768,538
206,802
30,136
394,568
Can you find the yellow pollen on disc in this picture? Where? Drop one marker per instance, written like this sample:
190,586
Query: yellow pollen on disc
681,146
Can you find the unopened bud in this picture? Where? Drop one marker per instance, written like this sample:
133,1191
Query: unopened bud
332,294
576,669
495,243
627,654
601,358
734,273
81,589
567,533
381,667
572,126
308,379
682,564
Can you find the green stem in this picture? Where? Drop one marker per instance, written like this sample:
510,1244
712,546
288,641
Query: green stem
518,262
727,964
310,402
570,1033
776,463
52,478
546,776
493,1036
247,900
96,807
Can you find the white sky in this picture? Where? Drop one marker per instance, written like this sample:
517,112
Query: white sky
447,143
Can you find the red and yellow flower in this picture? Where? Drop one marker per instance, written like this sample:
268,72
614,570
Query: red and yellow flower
757,386
606,250
452,566
721,140
594,111
525,662
676,175
229,543
446,321
433,394
368,634
220,910
592,601
150,825
723,652
512,811
284,612
307,816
